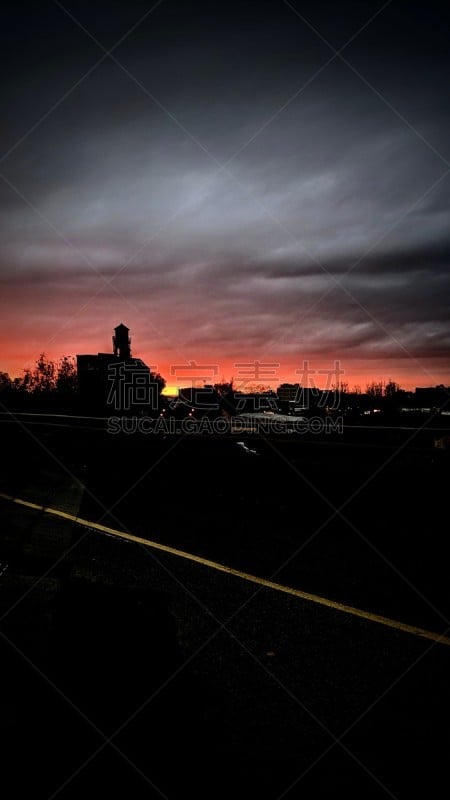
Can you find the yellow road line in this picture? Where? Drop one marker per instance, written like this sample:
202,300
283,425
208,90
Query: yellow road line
268,584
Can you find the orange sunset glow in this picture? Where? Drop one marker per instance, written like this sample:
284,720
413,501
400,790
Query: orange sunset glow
182,366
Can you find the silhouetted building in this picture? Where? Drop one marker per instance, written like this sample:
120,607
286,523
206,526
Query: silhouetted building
116,382
432,397
293,396
237,402
288,392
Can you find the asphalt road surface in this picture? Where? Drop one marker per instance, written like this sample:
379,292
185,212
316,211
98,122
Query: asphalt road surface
242,690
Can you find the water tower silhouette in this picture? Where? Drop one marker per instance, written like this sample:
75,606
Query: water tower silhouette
121,342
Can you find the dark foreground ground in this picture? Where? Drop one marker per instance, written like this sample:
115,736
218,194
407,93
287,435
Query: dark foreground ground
208,685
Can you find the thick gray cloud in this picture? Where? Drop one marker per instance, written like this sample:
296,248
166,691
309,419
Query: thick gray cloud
227,200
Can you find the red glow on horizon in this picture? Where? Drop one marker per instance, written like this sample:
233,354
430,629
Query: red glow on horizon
355,372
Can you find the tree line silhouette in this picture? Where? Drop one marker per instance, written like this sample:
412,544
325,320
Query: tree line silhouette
51,384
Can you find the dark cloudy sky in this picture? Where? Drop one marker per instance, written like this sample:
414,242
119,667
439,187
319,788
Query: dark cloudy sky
227,185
